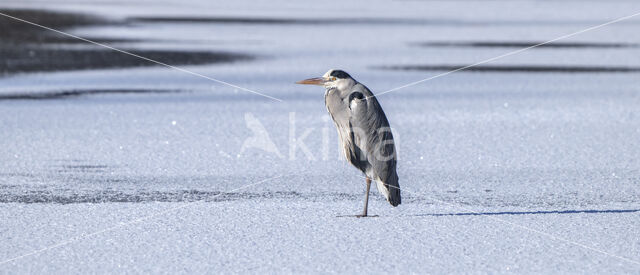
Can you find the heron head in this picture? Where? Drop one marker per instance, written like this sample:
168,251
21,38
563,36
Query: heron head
332,79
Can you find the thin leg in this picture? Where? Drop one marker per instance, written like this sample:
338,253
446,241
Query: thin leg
366,199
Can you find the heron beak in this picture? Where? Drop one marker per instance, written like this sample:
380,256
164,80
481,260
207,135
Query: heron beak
313,81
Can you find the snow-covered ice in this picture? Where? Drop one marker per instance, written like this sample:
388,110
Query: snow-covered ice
527,172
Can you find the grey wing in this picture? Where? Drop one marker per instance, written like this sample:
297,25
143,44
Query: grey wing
372,135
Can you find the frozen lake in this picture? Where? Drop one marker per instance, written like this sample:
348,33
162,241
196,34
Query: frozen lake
110,163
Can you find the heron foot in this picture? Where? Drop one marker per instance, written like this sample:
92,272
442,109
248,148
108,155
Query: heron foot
358,216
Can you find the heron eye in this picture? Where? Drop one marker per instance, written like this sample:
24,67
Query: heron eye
333,78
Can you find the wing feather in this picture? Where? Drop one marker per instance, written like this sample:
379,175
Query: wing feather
372,135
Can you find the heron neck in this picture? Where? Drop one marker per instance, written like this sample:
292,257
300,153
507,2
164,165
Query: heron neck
329,89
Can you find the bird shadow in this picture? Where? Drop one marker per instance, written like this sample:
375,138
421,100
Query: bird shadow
586,211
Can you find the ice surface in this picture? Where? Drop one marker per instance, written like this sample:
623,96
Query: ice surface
501,172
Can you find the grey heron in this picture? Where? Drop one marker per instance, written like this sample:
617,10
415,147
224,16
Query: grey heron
363,131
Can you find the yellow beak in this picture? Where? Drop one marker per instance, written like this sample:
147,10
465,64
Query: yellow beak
313,81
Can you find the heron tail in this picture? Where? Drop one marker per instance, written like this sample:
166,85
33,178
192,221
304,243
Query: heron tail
390,189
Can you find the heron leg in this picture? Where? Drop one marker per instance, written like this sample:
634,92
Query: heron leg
366,198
